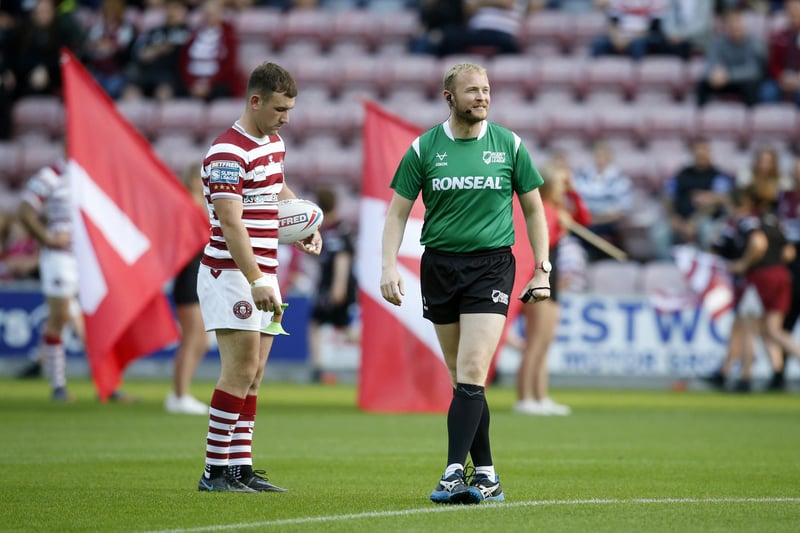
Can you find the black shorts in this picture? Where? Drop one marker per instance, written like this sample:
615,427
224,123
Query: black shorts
184,289
456,284
338,316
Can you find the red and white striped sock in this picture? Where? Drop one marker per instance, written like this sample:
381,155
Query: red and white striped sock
55,356
241,456
223,415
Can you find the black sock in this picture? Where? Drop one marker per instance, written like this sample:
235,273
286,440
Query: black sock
214,471
240,471
481,449
463,418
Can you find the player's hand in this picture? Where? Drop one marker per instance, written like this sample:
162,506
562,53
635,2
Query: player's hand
392,288
311,245
266,299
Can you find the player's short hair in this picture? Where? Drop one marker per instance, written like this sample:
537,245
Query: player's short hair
268,78
453,72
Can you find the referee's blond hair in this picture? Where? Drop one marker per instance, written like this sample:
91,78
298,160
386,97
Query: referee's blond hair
458,68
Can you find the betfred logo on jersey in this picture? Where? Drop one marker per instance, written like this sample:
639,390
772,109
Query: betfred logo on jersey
300,218
466,183
223,172
494,157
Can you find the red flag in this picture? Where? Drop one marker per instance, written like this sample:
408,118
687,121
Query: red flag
135,227
402,368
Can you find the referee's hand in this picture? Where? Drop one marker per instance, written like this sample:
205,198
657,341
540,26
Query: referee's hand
392,288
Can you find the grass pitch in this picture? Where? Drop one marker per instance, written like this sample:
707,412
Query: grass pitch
624,461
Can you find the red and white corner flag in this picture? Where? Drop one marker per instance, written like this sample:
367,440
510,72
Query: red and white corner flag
135,227
402,368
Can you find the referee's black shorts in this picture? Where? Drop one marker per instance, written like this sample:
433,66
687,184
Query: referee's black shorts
459,283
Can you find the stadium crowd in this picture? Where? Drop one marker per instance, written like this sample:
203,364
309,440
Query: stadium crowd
661,109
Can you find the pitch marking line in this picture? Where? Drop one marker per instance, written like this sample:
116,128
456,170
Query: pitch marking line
462,508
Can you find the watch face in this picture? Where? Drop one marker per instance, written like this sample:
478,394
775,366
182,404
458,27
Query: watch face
546,266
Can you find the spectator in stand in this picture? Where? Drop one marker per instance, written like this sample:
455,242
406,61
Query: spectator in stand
36,43
764,168
694,199
633,28
686,27
336,290
156,57
608,193
783,80
209,61
562,205
107,47
438,19
734,63
493,27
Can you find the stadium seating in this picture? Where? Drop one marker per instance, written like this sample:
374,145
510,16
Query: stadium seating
609,276
38,114
724,120
611,72
143,114
185,116
660,72
10,162
775,123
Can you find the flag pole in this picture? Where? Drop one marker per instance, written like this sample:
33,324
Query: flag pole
596,240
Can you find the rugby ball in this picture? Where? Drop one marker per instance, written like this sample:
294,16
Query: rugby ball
297,220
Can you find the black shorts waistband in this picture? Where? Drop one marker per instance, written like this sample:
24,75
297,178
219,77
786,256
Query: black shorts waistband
477,253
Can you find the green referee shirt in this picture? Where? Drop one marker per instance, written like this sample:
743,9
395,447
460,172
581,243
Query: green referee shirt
467,186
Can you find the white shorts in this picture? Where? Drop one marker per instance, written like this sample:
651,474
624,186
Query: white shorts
58,271
226,301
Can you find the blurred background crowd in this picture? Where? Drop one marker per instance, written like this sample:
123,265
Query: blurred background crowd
659,109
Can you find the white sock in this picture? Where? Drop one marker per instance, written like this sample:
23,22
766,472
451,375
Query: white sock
488,471
452,469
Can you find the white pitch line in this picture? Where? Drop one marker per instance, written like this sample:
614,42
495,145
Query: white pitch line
462,508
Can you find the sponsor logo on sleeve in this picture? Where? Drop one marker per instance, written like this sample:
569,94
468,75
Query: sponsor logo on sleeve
223,172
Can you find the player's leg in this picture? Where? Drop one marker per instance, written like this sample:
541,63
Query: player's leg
228,310
59,278
239,362
241,458
55,354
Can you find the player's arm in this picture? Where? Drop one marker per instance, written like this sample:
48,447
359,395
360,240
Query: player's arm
394,227
229,212
536,225
755,249
33,223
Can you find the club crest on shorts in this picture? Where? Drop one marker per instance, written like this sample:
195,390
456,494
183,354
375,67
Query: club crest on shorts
242,309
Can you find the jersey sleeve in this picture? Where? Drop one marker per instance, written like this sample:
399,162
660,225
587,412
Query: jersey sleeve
407,180
226,174
526,176
36,191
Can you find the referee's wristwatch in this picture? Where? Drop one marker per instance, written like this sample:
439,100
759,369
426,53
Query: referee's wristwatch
546,266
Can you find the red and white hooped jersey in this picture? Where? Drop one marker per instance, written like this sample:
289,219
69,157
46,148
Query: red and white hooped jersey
49,193
242,167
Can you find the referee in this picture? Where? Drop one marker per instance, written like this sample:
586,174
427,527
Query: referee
467,170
